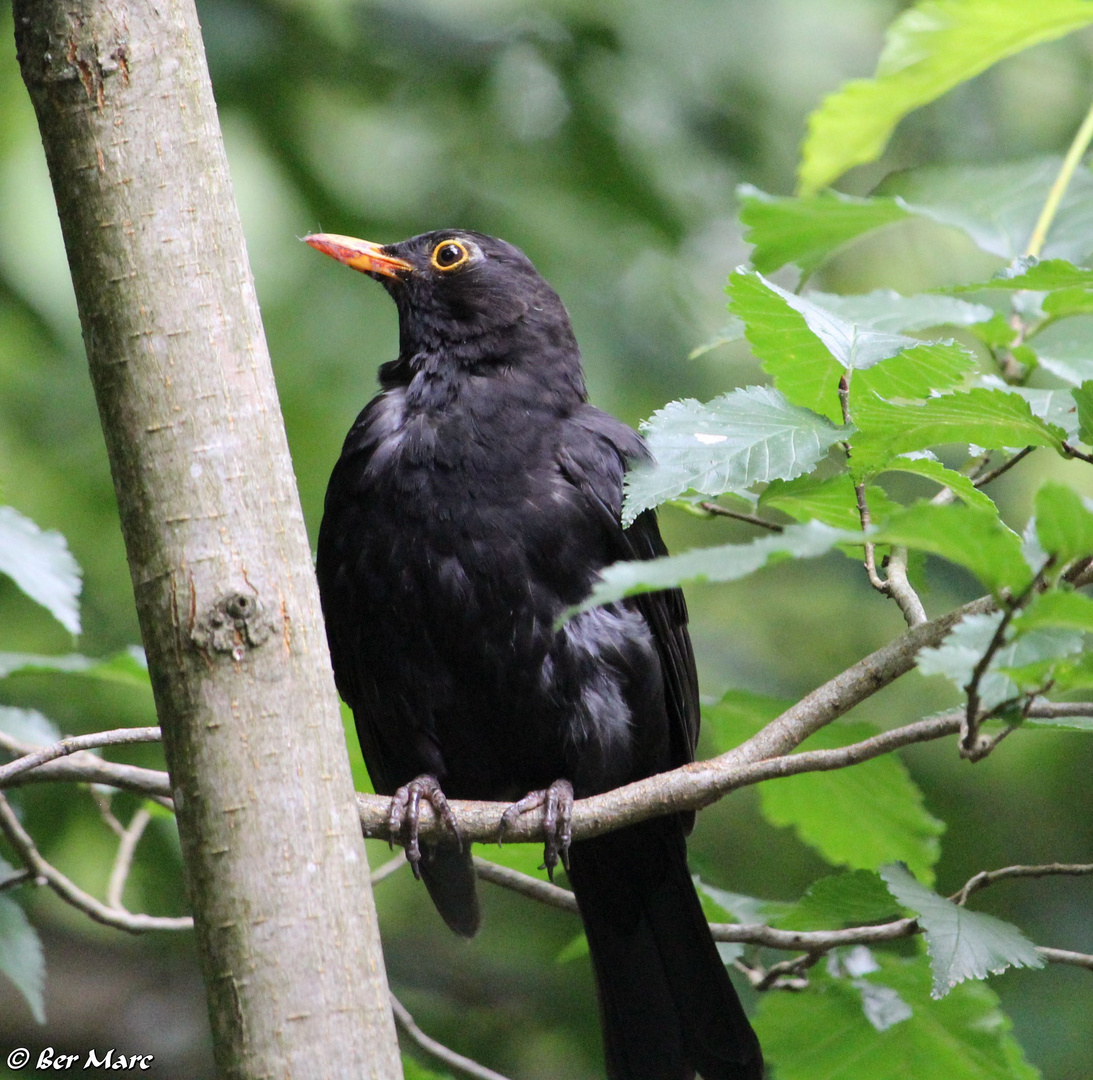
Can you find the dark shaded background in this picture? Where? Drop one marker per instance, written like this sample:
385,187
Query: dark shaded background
606,140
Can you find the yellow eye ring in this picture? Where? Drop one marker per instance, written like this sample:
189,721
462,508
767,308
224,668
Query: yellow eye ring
449,255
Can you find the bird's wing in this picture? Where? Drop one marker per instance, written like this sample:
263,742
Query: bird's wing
596,454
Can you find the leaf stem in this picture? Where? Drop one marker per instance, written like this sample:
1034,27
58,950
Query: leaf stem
1070,163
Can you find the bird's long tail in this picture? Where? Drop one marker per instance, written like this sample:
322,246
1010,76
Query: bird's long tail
667,1006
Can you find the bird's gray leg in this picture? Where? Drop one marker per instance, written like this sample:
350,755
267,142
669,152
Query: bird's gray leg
557,804
405,813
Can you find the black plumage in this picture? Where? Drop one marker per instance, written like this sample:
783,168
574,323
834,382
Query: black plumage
476,498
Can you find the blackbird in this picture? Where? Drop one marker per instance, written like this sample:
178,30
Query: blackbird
475,500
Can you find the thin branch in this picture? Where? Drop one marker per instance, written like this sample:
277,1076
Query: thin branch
123,861
534,888
118,736
738,515
1065,956
13,881
900,589
389,867
71,893
1073,451
985,478
438,1050
989,877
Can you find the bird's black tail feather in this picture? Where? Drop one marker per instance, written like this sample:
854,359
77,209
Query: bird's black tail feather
448,873
666,1002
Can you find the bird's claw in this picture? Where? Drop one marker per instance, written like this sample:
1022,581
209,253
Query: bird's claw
405,813
557,804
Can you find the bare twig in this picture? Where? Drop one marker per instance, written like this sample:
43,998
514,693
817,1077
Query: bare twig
123,861
1065,956
75,743
1073,451
438,1050
543,891
989,877
13,881
899,587
738,515
985,478
389,867
71,893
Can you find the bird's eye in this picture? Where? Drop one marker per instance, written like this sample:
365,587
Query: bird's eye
449,254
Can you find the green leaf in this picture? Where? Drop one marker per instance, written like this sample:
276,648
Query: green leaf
928,50
962,944
1065,610
958,483
1052,406
41,565
965,645
805,231
887,310
854,898
966,535
831,500
414,1070
1064,526
726,563
1036,275
992,419
806,350
860,817
1083,400
823,1033
742,438
1065,348
128,666
997,205
1060,723
21,958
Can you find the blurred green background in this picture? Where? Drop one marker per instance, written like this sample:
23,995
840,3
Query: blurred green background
605,139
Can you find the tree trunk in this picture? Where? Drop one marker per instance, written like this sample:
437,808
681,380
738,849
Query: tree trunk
221,568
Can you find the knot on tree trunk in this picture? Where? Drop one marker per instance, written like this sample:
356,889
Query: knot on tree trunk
234,623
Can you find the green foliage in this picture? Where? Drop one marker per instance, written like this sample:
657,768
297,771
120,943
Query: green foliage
962,944
41,565
929,49
21,958
827,1032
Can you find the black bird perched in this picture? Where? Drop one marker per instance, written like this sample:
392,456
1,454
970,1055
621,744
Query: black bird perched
476,498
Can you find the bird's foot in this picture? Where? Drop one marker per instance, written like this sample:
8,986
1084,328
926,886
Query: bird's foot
405,813
557,804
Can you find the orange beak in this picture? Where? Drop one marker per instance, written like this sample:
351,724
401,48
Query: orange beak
361,255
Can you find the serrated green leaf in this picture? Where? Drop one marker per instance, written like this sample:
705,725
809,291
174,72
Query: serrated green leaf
859,817
1064,526
962,944
921,372
1083,402
21,958
958,483
823,1033
1052,406
831,500
1037,275
887,310
1060,723
975,539
965,645
992,419
997,205
928,50
742,438
726,563
1065,348
720,905
805,231
1065,610
854,898
42,566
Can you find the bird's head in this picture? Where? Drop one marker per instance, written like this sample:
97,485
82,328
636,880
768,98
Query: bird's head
475,298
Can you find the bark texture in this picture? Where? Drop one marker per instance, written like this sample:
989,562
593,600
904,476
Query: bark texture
219,557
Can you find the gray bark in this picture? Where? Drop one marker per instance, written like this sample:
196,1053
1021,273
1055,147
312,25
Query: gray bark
221,568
